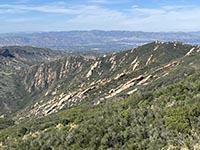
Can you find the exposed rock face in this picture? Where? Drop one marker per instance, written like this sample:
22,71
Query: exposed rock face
13,60
132,91
190,51
143,81
42,78
125,86
137,89
91,69
149,60
120,76
175,63
72,80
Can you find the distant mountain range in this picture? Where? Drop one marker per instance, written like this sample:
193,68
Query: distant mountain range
96,40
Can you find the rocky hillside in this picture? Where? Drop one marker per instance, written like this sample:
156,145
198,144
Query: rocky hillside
144,98
166,119
13,59
75,80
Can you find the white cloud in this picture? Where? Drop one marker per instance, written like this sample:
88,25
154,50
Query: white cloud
49,9
167,18
178,18
44,8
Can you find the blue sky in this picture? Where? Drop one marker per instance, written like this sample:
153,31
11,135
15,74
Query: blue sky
64,15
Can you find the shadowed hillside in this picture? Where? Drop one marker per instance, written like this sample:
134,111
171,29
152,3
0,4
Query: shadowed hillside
12,60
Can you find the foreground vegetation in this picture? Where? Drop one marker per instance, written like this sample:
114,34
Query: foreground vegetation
168,118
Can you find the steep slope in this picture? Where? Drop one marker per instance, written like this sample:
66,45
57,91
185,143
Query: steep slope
165,119
75,80
144,98
12,60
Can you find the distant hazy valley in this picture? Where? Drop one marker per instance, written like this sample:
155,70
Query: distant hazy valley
95,41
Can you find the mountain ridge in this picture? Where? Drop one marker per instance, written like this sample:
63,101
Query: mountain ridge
70,81
143,98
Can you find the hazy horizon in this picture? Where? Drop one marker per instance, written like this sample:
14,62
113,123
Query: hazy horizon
54,31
